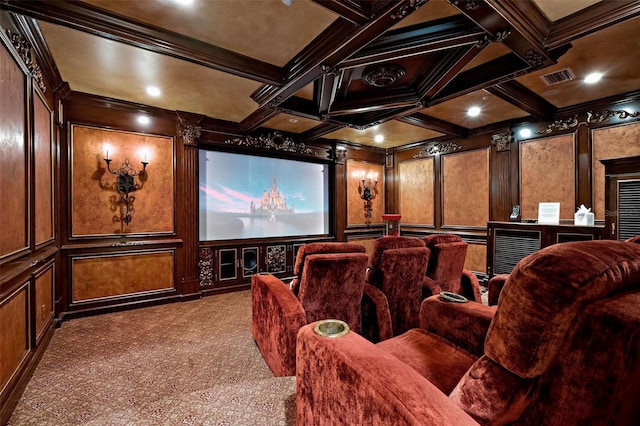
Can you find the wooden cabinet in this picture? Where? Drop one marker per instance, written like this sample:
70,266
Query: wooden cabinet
509,242
230,267
622,197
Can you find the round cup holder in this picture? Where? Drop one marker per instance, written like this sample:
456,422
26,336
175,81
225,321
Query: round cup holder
331,328
453,297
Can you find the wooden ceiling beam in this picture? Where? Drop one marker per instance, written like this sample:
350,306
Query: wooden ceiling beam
449,66
525,99
418,39
383,99
319,131
257,118
335,44
435,124
590,20
358,12
93,20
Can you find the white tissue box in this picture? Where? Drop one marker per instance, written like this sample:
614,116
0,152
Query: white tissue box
584,219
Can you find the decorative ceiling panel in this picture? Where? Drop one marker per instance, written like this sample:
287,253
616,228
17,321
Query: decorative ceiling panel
395,134
558,9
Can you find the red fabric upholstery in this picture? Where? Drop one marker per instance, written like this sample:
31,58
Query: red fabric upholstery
563,348
319,248
446,271
331,286
397,267
494,288
635,239
350,381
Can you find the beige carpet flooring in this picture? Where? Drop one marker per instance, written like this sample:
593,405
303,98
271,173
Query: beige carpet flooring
190,363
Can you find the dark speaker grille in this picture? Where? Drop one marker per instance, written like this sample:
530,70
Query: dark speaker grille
628,209
511,247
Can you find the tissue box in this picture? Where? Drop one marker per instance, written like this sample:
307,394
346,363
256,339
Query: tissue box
584,219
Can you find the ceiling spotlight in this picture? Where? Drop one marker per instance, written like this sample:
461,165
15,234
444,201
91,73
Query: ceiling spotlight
293,120
153,91
143,119
594,77
473,111
287,2
525,133
378,138
183,2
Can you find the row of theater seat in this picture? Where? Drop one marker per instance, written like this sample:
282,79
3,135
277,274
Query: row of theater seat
377,295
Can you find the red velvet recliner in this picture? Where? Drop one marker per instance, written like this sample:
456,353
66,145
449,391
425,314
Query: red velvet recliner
446,271
395,278
562,348
330,285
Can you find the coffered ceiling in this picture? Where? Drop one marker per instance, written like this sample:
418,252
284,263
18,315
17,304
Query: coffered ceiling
345,69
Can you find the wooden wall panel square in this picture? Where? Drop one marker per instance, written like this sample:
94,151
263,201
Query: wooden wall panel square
96,277
44,300
13,161
547,174
43,171
611,142
416,191
14,334
476,260
93,195
465,189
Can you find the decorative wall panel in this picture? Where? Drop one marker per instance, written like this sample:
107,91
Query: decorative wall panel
476,260
611,142
94,209
547,174
355,204
465,188
95,277
416,189
13,157
367,243
14,334
44,299
43,170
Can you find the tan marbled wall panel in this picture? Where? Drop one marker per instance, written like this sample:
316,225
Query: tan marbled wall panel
611,142
465,192
93,192
116,275
367,243
416,191
476,259
44,299
14,334
42,121
13,171
547,174
355,204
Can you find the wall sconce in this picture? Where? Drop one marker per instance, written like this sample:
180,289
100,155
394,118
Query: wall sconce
125,185
367,190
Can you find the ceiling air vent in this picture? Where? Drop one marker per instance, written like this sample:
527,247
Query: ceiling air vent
558,77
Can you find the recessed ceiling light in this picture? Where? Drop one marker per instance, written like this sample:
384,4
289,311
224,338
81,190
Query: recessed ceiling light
525,133
473,111
293,120
183,2
594,77
153,91
143,119
378,138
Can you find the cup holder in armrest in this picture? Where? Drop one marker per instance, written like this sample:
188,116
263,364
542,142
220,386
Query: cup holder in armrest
331,328
453,297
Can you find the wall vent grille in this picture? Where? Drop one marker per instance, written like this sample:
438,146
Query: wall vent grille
558,77
512,246
628,209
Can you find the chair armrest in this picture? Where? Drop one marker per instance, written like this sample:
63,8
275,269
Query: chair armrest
495,288
463,324
376,317
276,317
349,380
430,287
470,286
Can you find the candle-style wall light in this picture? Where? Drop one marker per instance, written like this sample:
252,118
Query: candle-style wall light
368,191
125,184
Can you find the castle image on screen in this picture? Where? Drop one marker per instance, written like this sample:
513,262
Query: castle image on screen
246,196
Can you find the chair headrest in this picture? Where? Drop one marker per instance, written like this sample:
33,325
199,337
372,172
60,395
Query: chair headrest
321,248
432,240
544,294
391,242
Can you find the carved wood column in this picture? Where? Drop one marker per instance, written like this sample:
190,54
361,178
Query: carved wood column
187,207
500,175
